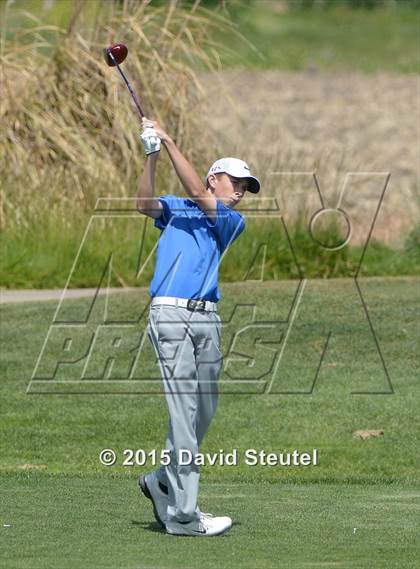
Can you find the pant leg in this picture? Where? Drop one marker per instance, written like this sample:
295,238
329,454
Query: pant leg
209,362
170,333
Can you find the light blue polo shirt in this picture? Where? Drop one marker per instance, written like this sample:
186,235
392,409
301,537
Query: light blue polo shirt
190,248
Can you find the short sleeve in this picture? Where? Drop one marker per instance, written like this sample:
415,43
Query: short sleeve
169,205
228,226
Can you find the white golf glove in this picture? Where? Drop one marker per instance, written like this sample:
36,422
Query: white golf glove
150,139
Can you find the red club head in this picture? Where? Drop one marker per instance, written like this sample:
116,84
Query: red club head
119,52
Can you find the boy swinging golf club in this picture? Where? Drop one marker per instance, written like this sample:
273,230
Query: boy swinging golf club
184,326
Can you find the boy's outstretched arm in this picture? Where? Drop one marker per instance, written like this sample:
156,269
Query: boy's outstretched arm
188,177
146,202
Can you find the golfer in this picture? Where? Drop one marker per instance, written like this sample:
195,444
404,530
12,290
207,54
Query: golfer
184,326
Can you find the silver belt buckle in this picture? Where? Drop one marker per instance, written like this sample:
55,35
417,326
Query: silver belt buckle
193,305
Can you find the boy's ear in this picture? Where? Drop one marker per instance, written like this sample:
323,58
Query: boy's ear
210,181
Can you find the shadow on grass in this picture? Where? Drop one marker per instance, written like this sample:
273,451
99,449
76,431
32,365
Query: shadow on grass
150,526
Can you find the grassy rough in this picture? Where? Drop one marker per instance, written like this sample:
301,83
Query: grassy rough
44,257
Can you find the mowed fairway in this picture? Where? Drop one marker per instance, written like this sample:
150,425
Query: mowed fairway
72,522
358,508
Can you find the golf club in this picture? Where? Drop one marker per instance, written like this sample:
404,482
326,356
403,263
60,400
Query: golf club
114,55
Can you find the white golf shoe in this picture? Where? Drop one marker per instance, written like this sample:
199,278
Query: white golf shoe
154,491
206,526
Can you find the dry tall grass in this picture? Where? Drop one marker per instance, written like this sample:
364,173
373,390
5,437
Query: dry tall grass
332,124
69,129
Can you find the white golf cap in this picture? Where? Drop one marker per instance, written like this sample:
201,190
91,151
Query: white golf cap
236,168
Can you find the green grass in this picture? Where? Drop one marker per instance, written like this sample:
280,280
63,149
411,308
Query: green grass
71,430
72,522
25,14
67,510
384,39
43,257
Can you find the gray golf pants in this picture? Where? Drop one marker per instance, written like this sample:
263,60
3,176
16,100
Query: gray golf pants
187,345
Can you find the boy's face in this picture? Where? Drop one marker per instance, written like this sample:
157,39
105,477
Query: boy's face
228,189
